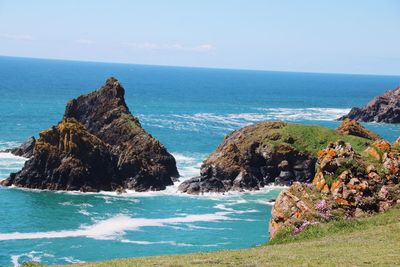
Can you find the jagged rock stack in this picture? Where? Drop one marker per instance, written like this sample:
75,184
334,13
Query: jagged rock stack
98,145
384,108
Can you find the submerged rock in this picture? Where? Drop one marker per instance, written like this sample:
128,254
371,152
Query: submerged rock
261,154
99,145
25,150
384,108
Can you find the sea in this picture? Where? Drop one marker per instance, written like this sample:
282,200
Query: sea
189,110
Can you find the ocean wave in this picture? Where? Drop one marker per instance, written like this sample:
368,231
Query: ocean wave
10,163
8,144
34,256
71,260
79,205
172,243
232,210
116,226
264,202
295,114
84,212
199,122
189,164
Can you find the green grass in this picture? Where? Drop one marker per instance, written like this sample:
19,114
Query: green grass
371,241
313,138
305,138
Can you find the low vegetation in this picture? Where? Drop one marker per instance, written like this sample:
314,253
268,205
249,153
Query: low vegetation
371,241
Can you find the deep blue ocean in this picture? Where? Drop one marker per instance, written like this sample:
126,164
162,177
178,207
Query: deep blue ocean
189,110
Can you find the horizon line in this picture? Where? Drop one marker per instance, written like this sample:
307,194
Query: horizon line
197,67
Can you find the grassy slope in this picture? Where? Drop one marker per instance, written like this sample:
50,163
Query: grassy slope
306,138
373,241
315,138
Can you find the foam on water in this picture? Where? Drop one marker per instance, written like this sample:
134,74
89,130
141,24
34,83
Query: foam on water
10,163
33,256
116,226
172,243
8,144
189,164
228,122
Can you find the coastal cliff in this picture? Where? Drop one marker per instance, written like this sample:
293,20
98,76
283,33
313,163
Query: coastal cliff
384,108
347,184
99,145
268,153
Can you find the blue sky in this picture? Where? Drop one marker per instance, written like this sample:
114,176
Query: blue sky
339,36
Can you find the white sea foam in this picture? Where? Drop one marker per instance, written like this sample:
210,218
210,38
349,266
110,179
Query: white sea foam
293,114
116,226
71,260
182,157
264,202
231,210
80,205
8,144
35,256
84,212
172,243
10,163
195,227
189,164
227,122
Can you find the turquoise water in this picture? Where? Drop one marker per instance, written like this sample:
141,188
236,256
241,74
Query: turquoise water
187,109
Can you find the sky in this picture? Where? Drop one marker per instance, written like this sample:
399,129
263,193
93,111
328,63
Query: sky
341,36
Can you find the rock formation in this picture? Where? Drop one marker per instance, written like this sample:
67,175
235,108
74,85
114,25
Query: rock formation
346,185
385,108
25,150
352,127
98,145
264,153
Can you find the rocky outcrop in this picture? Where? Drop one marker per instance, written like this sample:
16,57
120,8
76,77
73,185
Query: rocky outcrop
247,160
384,108
261,154
98,145
352,127
25,150
346,185
68,157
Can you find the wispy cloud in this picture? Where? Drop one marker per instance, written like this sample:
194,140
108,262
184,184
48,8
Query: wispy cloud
17,37
84,41
176,47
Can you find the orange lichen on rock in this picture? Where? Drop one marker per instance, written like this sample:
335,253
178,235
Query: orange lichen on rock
352,127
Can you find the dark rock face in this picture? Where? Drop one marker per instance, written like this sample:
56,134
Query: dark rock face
237,165
68,157
111,150
385,108
25,150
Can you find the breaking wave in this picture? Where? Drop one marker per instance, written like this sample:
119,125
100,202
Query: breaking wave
228,122
116,226
10,163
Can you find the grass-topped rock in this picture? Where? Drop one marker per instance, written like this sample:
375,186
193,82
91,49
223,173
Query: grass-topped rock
266,153
347,184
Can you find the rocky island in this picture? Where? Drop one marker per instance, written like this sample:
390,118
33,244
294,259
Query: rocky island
384,108
270,153
98,145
